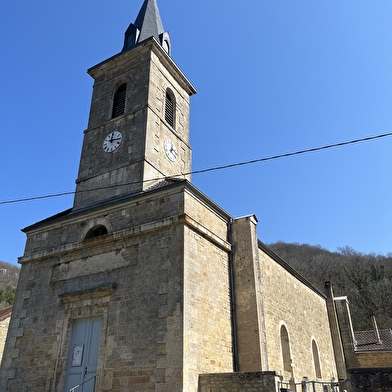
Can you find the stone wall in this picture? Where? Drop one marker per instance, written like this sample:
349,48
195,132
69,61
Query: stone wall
132,278
272,299
249,309
374,359
158,279
239,382
207,325
292,302
140,159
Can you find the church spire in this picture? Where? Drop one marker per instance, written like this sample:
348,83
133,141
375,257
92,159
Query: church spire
147,24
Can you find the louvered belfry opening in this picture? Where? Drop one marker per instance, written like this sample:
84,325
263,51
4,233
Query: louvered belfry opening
169,110
119,101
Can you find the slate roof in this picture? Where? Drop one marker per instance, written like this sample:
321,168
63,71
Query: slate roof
162,183
149,21
5,313
147,24
367,340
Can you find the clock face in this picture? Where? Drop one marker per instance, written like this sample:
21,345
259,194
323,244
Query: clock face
112,141
170,150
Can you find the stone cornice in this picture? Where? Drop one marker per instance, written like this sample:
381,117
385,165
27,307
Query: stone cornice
117,237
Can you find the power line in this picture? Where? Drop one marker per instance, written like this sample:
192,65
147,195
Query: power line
289,154
37,197
228,166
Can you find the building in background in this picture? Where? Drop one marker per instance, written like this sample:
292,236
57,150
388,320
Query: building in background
366,355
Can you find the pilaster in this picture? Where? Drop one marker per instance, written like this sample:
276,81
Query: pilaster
249,310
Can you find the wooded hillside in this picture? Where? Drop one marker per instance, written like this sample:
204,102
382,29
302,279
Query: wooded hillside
366,279
9,275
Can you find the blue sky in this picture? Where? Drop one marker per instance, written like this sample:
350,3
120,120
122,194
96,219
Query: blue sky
272,77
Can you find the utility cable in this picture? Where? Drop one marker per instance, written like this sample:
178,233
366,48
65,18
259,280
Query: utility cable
228,166
289,154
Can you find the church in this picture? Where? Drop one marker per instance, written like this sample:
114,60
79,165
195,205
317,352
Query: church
146,284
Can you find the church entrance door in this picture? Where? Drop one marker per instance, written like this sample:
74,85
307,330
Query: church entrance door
83,355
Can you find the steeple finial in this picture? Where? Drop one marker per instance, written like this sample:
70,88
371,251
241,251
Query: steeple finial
147,24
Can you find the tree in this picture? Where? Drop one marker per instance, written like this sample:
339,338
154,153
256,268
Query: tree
7,296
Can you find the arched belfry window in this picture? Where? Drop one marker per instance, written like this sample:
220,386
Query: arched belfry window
285,344
119,101
96,231
170,108
166,46
316,359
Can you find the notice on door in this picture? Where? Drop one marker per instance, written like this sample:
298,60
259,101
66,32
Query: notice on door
77,355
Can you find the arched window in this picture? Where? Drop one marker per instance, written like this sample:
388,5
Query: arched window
316,359
166,46
96,231
119,101
285,343
170,108
164,39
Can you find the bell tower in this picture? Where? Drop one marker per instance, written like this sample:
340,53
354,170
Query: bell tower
138,128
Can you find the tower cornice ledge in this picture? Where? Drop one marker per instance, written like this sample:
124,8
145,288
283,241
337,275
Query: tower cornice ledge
135,52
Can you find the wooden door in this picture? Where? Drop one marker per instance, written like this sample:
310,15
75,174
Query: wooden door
83,355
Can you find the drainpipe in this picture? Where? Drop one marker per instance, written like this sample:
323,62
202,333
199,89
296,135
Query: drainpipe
376,332
232,296
334,327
